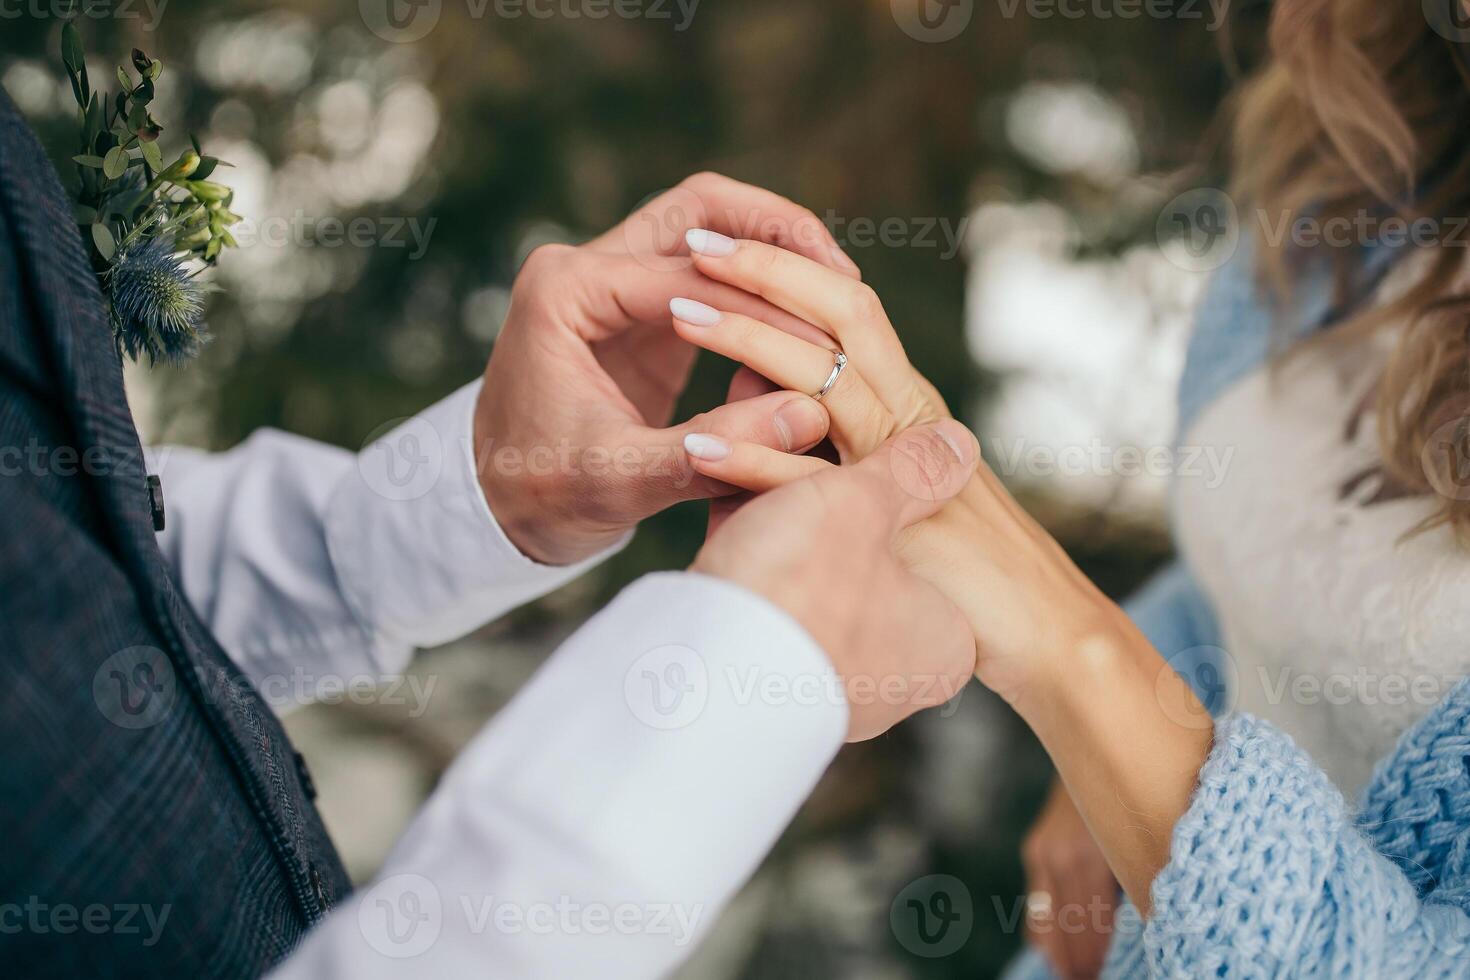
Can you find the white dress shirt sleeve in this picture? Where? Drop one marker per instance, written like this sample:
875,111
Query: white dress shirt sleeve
313,565
602,820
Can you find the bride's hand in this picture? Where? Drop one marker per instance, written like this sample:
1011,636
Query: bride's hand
1022,594
878,394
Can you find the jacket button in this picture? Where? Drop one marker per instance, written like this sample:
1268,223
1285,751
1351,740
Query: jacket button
155,501
319,889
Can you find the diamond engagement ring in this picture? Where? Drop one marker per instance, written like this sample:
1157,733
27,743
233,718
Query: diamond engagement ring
837,367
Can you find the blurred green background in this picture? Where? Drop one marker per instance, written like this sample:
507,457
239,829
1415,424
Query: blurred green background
1018,156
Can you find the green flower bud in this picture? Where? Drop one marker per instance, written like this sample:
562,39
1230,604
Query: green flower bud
183,167
208,190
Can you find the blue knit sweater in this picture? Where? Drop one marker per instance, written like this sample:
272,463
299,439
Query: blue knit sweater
1271,872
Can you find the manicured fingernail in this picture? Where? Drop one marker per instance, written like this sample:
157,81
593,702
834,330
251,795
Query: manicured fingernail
711,449
801,423
695,312
710,243
843,260
958,439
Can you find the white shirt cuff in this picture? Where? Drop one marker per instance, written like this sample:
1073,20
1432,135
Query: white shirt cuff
685,697
419,554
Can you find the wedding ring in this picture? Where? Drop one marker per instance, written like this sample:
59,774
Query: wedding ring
837,367
1038,905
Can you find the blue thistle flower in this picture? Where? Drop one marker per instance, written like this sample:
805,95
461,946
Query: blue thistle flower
157,307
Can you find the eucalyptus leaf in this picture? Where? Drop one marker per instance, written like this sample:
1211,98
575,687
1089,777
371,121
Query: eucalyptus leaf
116,163
87,160
153,156
85,215
123,80
102,238
205,168
71,48
94,122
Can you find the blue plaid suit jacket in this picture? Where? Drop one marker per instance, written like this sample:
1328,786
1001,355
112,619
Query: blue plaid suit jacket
156,819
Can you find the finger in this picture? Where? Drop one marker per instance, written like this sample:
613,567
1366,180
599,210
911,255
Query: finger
784,420
619,289
1041,930
748,465
747,384
860,422
844,308
721,509
1077,936
709,200
910,477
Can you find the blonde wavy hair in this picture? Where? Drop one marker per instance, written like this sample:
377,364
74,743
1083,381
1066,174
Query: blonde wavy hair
1363,107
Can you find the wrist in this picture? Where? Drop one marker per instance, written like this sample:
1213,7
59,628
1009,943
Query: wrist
533,509
1099,678
1038,619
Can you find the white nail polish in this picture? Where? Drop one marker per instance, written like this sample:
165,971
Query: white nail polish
711,449
695,312
710,243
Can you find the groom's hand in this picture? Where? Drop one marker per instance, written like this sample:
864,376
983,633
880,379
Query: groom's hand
572,447
822,548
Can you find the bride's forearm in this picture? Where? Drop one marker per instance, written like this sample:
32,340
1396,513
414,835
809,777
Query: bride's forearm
1127,735
1128,738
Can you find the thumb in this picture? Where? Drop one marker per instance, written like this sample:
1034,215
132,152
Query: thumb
783,420
916,472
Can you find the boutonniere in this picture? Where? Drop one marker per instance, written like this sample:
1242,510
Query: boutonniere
152,226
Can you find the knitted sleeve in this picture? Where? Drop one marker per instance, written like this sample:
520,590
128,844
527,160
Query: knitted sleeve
1271,875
